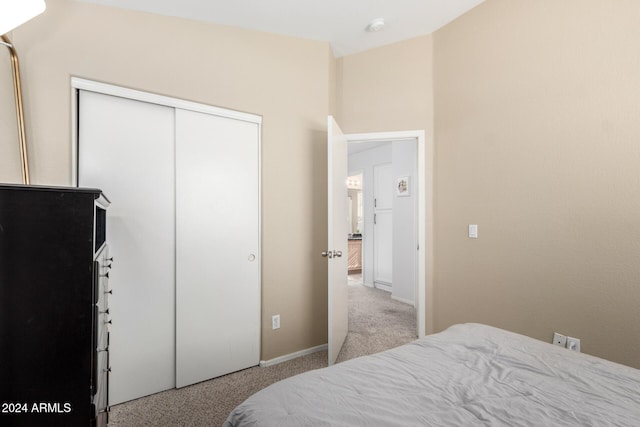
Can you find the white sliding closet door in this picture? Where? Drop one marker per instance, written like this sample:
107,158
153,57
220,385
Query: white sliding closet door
217,246
126,148
184,230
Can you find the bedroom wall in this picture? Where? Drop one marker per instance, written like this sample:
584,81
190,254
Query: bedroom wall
535,116
386,89
537,132
536,129
286,80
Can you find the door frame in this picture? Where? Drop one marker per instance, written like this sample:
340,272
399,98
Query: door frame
425,223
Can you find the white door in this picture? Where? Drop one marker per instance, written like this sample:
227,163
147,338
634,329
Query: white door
126,148
337,249
217,246
383,226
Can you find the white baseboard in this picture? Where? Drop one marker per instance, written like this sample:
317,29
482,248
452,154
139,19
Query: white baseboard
406,301
383,286
271,362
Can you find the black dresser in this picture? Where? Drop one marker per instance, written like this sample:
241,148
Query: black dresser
54,316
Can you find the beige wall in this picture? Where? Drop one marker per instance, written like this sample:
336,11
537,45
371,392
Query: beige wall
387,89
537,122
536,126
538,141
284,79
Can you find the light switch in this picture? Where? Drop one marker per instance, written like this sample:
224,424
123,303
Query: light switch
473,231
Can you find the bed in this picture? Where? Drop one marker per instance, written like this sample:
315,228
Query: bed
470,374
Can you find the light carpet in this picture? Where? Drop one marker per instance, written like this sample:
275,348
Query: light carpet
376,323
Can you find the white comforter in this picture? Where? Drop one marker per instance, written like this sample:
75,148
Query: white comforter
470,374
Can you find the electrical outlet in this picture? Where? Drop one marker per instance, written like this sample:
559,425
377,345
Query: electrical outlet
275,321
573,344
559,339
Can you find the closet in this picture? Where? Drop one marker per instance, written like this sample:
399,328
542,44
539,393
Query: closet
184,225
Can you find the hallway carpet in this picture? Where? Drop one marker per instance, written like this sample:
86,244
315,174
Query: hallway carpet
376,323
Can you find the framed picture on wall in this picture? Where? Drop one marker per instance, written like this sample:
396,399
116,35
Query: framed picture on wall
402,188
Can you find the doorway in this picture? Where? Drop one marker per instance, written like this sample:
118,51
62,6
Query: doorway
418,186
337,228
386,238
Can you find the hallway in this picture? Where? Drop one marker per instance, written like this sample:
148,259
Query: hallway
376,322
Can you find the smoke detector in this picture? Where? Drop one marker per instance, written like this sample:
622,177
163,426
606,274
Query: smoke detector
375,25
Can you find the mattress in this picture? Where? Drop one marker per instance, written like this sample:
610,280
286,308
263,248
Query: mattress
470,374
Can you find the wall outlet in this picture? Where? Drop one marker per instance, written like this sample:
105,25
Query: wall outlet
573,344
559,339
275,321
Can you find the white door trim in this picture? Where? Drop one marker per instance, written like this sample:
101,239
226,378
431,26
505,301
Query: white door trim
168,101
424,300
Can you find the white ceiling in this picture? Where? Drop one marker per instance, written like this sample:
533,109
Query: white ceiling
342,23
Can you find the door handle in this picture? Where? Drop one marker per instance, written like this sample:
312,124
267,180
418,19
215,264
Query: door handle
332,254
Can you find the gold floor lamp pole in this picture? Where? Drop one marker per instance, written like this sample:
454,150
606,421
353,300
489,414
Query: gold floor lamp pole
17,93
